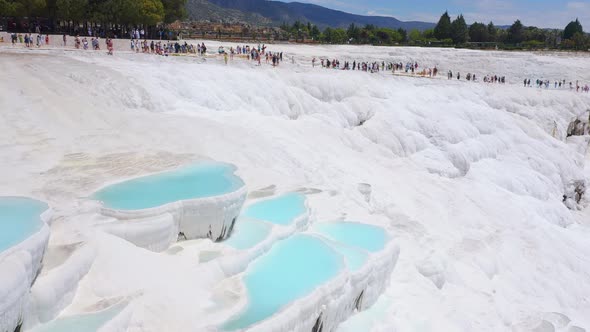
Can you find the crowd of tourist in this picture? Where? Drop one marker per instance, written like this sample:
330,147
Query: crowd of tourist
375,66
409,68
253,53
162,48
561,84
260,52
413,69
28,39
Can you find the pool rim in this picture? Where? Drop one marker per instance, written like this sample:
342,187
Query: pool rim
167,207
295,220
383,260
45,218
387,232
341,274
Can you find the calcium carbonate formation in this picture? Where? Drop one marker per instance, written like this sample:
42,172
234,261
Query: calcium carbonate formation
336,268
333,271
200,201
23,239
483,186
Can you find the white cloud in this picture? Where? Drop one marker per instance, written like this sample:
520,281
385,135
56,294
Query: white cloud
578,5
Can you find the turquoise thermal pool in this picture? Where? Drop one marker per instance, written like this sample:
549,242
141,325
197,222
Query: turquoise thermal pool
281,210
368,237
292,269
191,182
355,257
20,217
247,233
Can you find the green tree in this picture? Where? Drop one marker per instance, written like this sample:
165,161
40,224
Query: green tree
71,10
327,35
443,27
50,10
478,32
492,32
134,12
28,8
385,36
353,32
429,34
285,27
572,28
534,34
122,11
396,36
552,37
415,36
404,35
174,10
365,35
459,32
151,12
7,8
315,33
581,41
339,36
515,33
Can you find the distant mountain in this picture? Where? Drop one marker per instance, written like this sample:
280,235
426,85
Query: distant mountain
279,12
203,10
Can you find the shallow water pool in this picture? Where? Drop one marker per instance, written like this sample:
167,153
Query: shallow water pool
354,256
292,269
281,210
195,181
247,233
20,217
368,237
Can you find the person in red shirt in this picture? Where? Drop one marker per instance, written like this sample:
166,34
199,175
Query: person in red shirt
110,46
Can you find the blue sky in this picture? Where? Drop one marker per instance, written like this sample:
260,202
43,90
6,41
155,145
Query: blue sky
541,13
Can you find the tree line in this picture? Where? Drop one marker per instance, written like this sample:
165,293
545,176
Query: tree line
119,15
368,34
457,32
448,32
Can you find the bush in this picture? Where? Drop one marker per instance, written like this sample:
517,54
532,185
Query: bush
533,44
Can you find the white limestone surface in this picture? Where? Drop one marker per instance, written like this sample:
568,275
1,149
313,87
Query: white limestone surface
477,171
56,289
19,267
208,217
336,300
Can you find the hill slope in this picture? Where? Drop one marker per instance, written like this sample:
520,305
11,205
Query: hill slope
203,10
279,12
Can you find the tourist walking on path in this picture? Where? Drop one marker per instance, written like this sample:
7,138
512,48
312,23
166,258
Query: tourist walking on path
109,46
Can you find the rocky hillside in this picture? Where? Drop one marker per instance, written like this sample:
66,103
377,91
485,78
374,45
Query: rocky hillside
203,10
263,12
